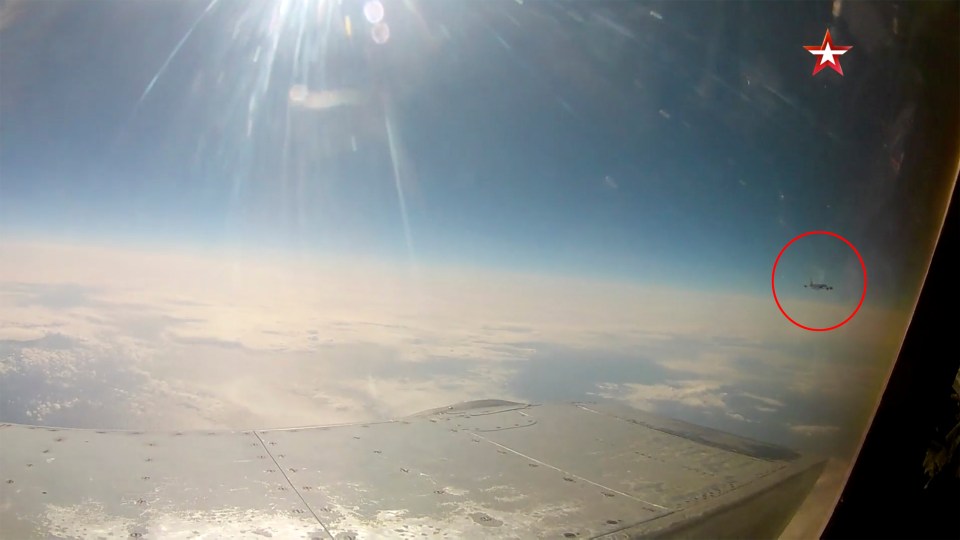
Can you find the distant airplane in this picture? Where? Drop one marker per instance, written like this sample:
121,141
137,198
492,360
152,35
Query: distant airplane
818,286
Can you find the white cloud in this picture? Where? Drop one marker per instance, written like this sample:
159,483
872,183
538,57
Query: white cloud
39,410
692,393
763,399
813,430
227,339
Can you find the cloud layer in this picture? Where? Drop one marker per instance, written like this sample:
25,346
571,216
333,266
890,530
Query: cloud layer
106,337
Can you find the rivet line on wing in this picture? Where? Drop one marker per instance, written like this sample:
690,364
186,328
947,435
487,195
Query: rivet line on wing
568,473
293,487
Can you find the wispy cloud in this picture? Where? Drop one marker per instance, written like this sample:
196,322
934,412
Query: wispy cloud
814,430
770,402
189,338
692,393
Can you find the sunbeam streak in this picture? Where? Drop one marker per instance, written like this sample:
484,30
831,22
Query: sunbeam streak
398,183
176,49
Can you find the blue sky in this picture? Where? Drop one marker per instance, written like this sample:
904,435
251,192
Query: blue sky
676,144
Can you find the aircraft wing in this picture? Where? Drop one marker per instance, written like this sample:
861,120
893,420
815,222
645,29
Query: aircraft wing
488,469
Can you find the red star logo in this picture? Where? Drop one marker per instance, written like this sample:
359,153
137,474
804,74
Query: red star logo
827,51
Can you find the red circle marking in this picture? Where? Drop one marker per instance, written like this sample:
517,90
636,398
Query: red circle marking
773,281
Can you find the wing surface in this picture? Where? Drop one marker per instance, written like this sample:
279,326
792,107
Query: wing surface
490,469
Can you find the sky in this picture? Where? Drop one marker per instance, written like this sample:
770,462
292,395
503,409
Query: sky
235,215
598,139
